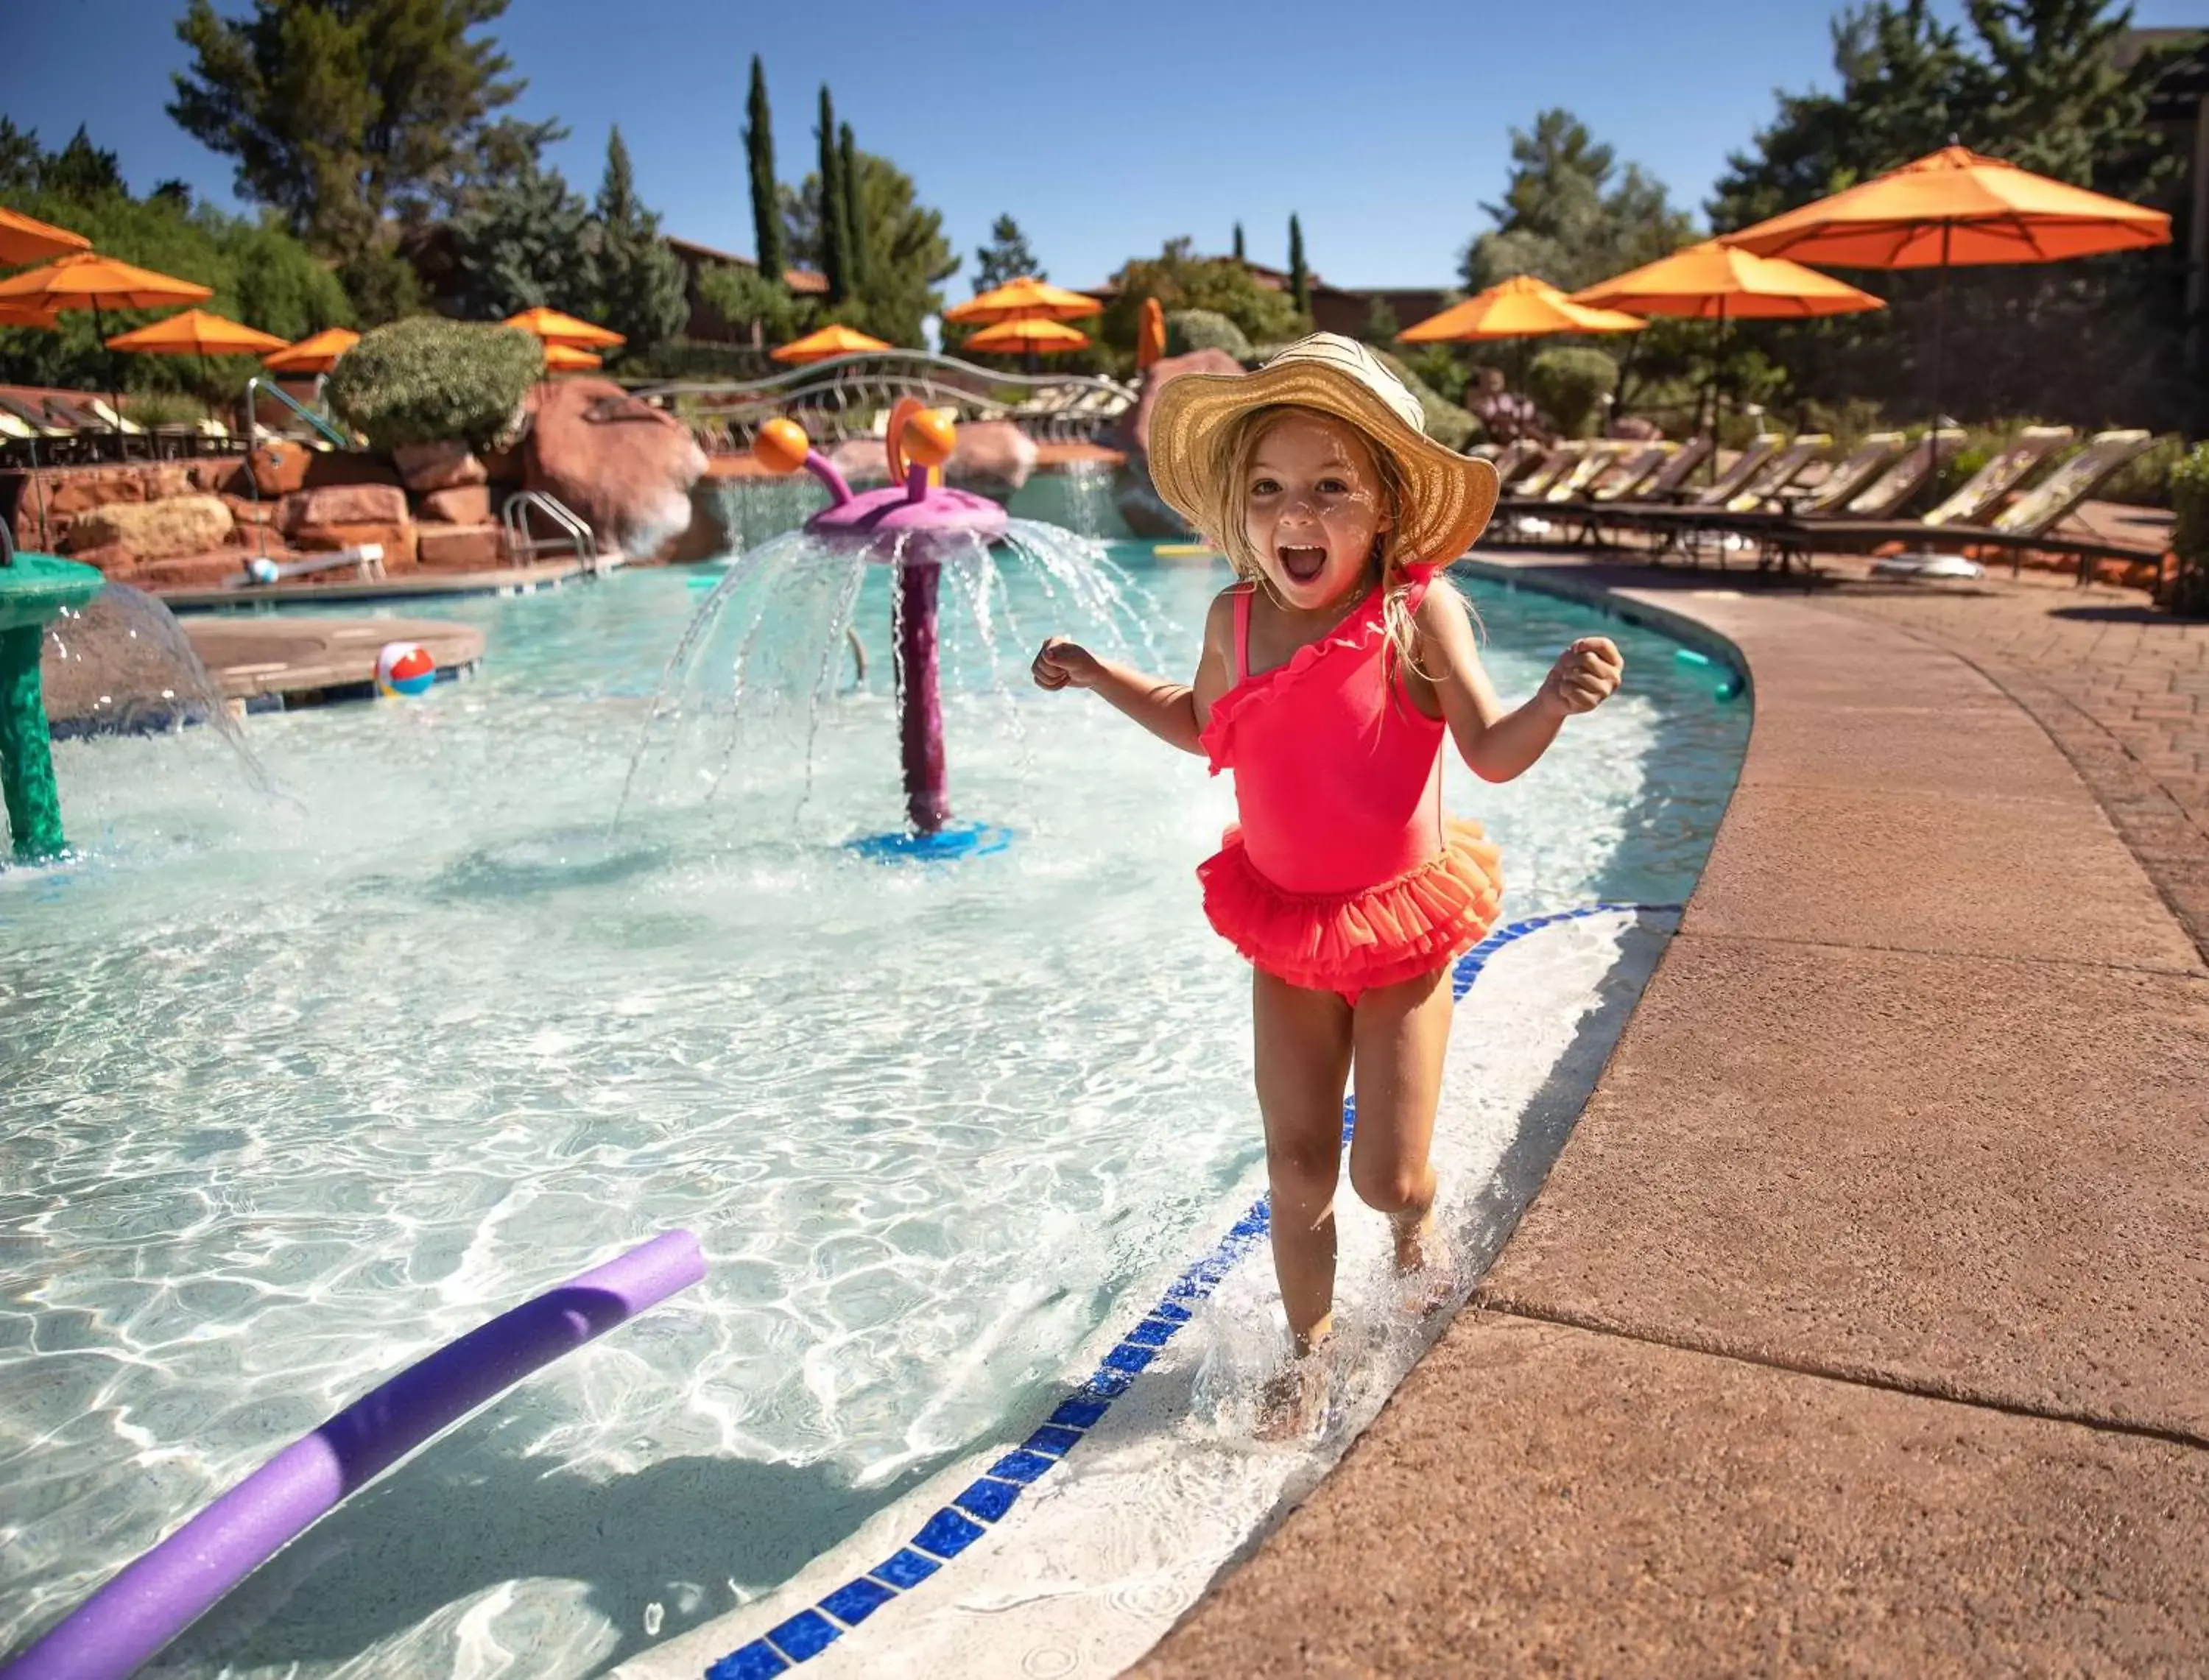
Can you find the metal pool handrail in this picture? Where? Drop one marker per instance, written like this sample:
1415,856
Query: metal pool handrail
156,1597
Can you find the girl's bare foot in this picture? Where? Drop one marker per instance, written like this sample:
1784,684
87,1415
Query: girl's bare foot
1422,1265
1293,1403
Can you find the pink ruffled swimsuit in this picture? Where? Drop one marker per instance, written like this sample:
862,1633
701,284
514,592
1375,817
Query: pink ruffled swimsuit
1342,873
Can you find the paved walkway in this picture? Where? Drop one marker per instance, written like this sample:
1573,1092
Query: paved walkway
1863,1326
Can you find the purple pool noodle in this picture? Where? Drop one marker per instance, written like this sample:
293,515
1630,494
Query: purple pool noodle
155,1599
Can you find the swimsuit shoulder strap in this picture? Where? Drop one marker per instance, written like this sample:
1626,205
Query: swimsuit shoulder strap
1243,630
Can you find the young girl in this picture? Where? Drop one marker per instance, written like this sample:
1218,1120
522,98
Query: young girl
1329,675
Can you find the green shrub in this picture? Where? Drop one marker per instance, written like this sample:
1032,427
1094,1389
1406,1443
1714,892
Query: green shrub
1205,329
425,378
2190,537
164,408
2145,480
1570,384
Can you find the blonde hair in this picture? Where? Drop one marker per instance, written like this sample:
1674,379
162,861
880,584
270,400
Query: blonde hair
1234,537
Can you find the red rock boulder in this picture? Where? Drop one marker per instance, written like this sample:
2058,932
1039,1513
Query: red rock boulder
346,504
1161,374
154,530
427,467
464,504
991,458
397,540
623,465
278,468
478,547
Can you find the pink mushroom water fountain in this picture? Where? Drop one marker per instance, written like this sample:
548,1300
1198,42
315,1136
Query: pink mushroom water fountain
941,547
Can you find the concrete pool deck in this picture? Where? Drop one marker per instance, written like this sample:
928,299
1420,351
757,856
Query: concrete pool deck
1864,1323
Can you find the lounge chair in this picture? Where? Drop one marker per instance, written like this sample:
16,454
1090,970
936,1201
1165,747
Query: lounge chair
1873,453
60,442
2022,526
1635,467
1596,459
1969,505
1512,460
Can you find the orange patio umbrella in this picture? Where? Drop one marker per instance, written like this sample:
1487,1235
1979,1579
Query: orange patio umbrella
1712,281
1150,335
27,239
317,353
828,343
23,315
197,333
1026,298
1519,308
85,280
567,358
1955,207
554,327
1045,338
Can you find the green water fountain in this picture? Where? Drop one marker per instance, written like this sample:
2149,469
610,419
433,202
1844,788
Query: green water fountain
34,589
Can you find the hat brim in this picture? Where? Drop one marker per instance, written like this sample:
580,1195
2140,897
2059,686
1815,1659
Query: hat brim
1449,497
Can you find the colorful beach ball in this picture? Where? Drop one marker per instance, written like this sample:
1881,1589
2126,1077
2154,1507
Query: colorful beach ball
404,667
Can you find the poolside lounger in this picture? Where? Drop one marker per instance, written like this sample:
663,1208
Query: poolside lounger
2022,526
1512,460
1635,467
1600,519
1597,459
1968,505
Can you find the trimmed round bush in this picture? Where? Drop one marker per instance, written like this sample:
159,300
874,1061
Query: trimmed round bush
425,379
1569,384
1205,329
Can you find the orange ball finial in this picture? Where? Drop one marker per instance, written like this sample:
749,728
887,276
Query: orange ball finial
930,437
781,446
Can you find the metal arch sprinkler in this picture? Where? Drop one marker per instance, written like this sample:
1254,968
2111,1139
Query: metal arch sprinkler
911,525
34,589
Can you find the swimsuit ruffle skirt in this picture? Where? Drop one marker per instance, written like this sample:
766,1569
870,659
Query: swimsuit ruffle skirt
1342,873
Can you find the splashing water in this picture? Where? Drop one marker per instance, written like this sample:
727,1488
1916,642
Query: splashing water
795,647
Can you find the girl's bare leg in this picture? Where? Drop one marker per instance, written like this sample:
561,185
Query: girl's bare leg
1303,1051
1399,1034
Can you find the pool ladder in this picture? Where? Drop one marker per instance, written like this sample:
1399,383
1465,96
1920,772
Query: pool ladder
574,533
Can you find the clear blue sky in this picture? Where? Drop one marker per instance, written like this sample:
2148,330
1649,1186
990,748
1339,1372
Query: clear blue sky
1104,128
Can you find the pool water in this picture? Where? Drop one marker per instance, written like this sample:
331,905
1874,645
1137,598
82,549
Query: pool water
302,1084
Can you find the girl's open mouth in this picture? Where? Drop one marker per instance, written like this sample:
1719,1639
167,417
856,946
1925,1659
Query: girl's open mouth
1301,564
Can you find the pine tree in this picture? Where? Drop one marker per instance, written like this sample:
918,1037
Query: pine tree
856,224
341,112
1239,255
766,207
1006,258
835,208
639,285
1299,276
524,243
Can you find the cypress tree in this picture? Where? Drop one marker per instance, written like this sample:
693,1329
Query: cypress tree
1299,276
856,231
1239,255
767,241
835,210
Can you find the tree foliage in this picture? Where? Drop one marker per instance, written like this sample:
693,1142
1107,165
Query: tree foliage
1569,215
2037,83
525,242
1006,258
638,286
768,240
1180,280
342,112
260,275
742,296
909,255
1299,276
832,207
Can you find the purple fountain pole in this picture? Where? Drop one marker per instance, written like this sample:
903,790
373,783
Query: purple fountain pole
920,699
905,523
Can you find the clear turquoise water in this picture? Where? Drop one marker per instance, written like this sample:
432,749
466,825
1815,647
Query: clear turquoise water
301,1086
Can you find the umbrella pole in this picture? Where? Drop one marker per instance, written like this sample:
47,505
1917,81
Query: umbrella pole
1940,332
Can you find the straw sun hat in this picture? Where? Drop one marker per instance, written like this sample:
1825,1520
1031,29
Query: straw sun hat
1448,497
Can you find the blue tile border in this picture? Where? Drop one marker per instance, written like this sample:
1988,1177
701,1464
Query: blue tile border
953,1529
